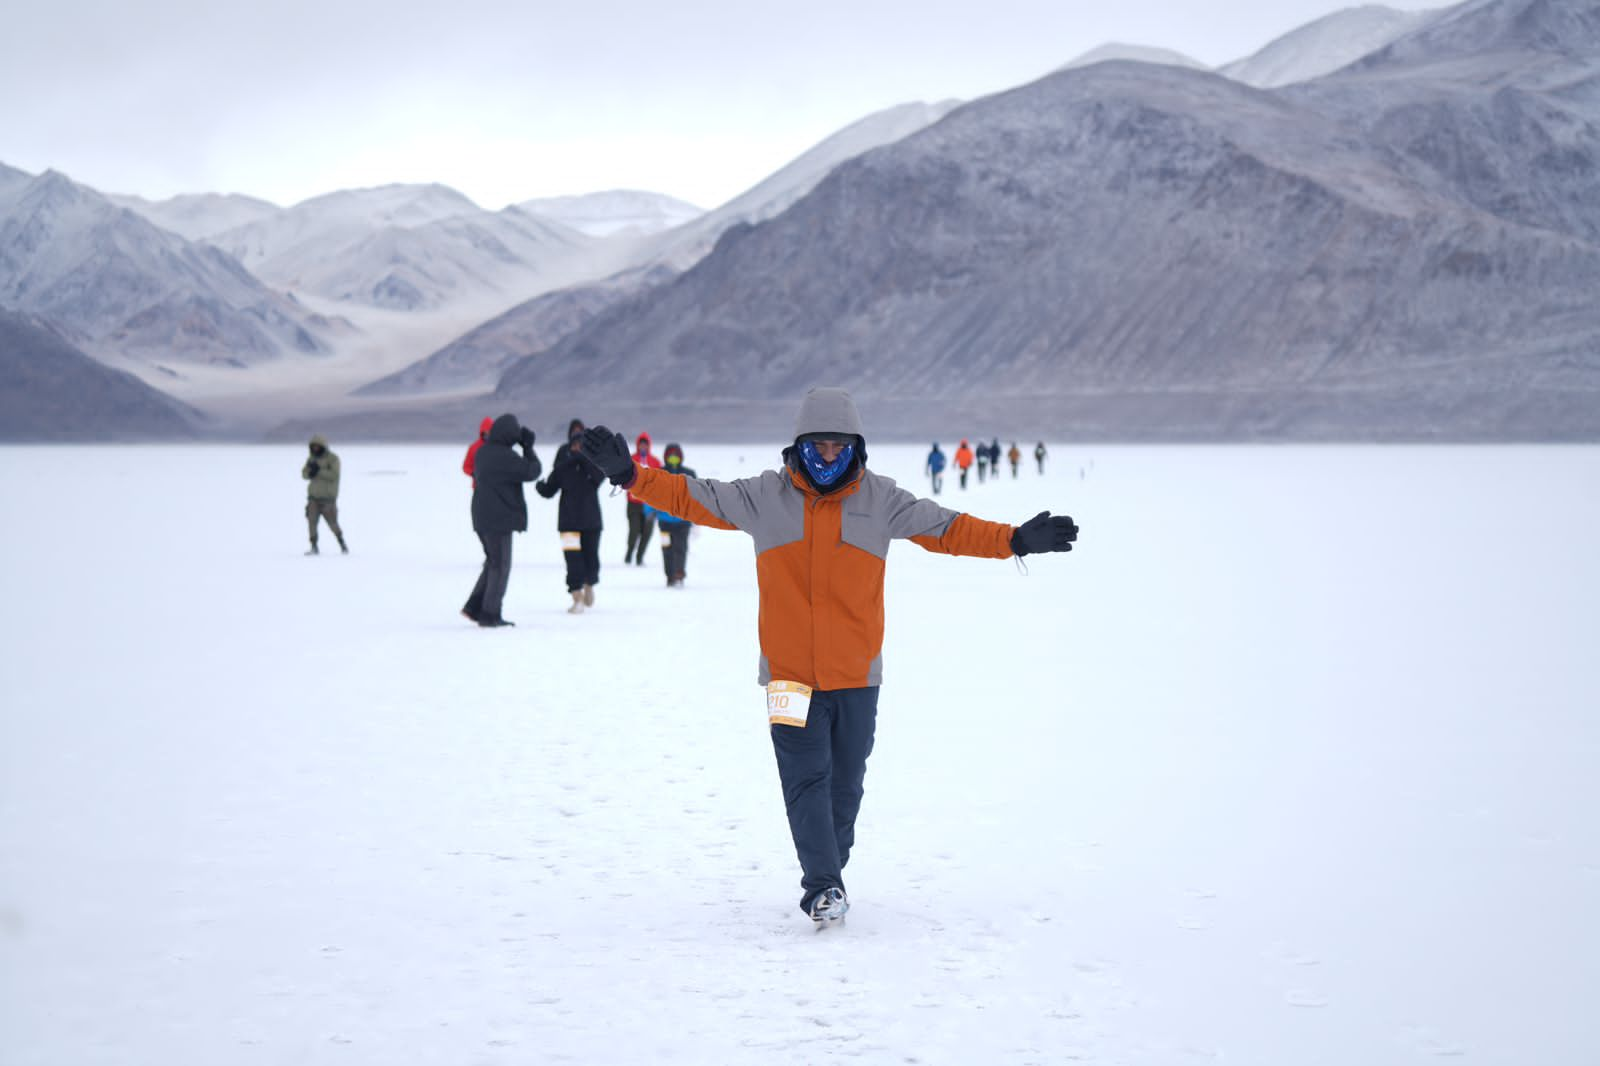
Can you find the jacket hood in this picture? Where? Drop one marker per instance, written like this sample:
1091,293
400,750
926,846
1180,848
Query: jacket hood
484,426
319,439
673,449
505,430
644,438
575,427
826,410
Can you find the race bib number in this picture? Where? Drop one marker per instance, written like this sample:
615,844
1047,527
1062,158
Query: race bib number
666,539
788,703
571,542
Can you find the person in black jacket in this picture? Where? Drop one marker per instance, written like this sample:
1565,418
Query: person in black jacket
577,519
674,530
498,510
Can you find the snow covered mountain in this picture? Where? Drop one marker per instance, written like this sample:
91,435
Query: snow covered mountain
1134,53
51,391
198,216
1325,45
400,247
618,211
118,285
1140,250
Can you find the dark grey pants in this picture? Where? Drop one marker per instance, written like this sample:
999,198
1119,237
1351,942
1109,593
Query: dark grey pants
675,550
319,508
823,767
639,529
583,565
488,595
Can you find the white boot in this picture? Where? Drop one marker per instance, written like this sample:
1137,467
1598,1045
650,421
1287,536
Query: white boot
577,602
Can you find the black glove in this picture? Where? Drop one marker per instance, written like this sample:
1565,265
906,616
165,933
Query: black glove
527,437
608,452
1044,532
312,468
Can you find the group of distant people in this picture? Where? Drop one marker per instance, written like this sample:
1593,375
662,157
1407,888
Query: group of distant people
985,456
499,509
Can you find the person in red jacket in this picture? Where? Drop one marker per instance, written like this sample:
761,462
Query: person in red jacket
822,526
963,461
469,465
641,516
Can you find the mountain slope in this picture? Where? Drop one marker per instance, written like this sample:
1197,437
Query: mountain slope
1499,102
679,248
1124,249
50,390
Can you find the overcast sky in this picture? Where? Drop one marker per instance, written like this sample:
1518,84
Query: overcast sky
505,102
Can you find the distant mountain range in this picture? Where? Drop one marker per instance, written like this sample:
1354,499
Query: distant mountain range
1380,226
118,285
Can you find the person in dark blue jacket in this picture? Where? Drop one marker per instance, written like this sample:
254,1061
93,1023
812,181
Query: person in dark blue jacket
577,519
498,510
935,467
674,530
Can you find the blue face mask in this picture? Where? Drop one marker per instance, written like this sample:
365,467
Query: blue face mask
825,473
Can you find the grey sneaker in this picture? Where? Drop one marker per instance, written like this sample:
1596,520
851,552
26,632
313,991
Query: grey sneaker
830,905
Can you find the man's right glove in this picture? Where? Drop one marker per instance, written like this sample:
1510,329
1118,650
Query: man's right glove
527,437
608,451
312,468
1044,532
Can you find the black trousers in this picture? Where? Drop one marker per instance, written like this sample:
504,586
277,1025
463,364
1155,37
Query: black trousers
823,767
583,565
489,594
639,528
675,550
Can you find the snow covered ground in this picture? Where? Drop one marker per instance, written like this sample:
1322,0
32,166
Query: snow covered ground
1293,762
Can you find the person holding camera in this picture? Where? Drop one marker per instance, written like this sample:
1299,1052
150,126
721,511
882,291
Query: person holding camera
577,518
321,471
499,509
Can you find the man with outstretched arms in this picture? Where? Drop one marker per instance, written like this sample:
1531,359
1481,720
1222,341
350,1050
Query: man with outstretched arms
822,526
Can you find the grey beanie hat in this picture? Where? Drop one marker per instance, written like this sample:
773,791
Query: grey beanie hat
826,410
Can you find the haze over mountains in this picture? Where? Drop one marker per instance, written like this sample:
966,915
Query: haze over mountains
1398,242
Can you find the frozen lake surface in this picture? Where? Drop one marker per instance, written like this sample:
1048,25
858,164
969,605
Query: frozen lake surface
1294,761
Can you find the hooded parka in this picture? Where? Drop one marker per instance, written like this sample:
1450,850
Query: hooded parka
498,505
324,482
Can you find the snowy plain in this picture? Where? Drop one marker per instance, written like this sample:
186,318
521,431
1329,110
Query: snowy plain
1294,761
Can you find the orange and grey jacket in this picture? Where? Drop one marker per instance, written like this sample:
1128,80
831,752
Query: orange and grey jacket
820,560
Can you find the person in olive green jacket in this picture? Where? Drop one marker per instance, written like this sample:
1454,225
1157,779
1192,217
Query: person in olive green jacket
322,493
